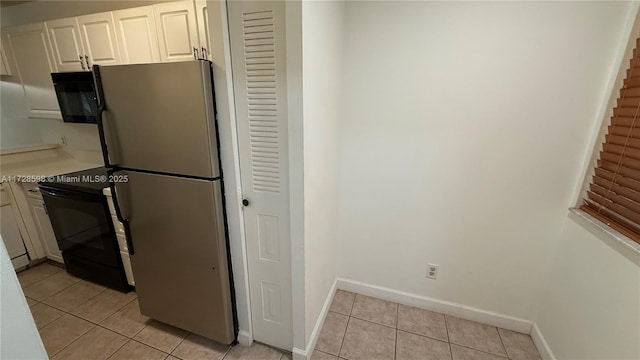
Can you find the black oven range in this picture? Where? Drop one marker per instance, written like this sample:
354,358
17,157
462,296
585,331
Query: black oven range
81,221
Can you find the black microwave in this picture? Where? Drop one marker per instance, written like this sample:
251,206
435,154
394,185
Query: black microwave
76,94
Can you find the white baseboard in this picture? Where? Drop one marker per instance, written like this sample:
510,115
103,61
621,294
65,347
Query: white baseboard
299,354
245,338
437,305
541,343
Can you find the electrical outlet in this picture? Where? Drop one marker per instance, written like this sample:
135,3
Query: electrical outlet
63,139
432,271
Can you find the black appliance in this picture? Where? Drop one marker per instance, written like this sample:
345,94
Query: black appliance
76,96
82,224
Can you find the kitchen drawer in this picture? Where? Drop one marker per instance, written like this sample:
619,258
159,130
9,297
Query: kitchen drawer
126,261
5,196
32,190
122,242
117,225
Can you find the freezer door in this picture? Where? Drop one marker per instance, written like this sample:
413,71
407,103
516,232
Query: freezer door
179,259
159,117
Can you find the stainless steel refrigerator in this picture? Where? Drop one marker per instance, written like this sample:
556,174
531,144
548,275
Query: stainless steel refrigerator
158,135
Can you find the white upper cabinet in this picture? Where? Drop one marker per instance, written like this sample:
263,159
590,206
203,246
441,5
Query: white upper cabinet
202,17
34,65
137,35
68,53
177,30
99,39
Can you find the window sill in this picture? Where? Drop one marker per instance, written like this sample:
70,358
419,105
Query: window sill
610,233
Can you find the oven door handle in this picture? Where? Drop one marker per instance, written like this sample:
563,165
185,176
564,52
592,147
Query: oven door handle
119,216
68,195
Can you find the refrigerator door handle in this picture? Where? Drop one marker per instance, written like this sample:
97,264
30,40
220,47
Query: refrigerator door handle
115,195
102,106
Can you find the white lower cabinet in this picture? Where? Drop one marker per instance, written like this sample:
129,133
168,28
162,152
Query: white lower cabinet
122,239
43,223
10,231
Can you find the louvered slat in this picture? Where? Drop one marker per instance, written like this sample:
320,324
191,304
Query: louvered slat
618,189
621,140
622,170
624,181
262,100
625,130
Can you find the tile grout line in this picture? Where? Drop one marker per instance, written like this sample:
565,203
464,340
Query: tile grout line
89,321
344,336
91,298
181,341
395,347
44,277
48,296
482,351
83,334
69,344
229,350
353,303
95,324
446,327
118,349
502,343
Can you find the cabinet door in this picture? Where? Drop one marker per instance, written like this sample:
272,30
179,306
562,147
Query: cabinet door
99,39
66,44
34,64
137,35
46,230
202,17
177,30
10,232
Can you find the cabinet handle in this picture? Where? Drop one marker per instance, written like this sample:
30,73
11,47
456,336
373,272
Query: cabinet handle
33,190
204,53
195,53
88,64
81,63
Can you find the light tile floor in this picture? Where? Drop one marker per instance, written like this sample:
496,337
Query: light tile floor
359,327
81,320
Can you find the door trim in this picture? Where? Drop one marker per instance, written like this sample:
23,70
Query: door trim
230,163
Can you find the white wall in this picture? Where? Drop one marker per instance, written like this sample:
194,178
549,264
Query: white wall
15,129
591,309
19,338
18,130
463,132
322,31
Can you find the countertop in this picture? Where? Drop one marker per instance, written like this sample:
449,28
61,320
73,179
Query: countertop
42,162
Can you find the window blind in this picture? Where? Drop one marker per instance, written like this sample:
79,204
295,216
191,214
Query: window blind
613,195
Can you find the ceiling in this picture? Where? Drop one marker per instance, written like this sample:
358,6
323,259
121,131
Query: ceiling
5,3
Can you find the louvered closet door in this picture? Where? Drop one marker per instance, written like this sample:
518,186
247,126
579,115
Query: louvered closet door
259,74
